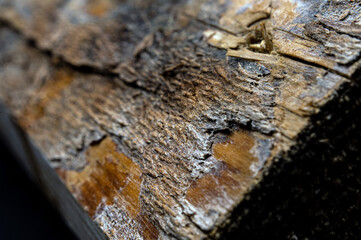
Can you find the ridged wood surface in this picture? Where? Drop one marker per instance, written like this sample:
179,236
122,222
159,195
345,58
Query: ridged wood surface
160,116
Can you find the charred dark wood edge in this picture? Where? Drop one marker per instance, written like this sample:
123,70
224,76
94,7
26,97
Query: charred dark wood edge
42,174
258,215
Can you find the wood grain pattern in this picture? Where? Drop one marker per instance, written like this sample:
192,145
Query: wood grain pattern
160,116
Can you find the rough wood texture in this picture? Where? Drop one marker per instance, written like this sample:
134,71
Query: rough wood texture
160,116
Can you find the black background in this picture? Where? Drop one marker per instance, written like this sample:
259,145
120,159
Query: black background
25,212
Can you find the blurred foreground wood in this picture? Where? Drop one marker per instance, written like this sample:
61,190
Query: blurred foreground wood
180,119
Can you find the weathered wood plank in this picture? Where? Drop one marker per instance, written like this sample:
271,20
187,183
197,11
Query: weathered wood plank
161,116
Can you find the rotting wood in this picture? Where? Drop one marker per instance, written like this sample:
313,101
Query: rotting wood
160,116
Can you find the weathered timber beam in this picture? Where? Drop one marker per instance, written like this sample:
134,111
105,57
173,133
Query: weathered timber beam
162,118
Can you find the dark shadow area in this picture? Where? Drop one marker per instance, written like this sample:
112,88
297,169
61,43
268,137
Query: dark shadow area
318,194
25,212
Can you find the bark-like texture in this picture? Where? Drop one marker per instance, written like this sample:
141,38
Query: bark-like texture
160,116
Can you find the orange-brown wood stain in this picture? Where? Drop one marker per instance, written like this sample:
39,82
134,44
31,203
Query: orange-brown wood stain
231,178
52,89
112,176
